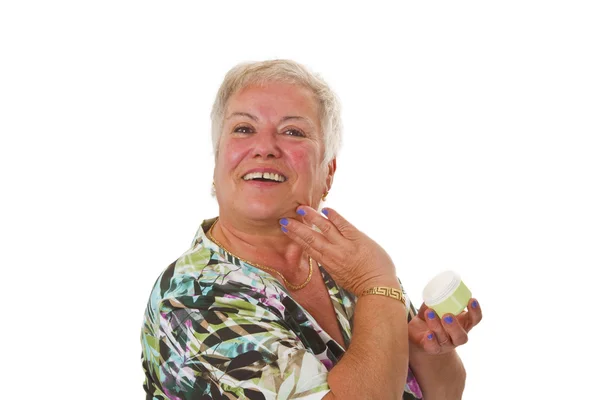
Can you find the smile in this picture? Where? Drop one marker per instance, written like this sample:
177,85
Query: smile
264,177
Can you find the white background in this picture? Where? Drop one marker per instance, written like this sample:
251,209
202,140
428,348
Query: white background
471,143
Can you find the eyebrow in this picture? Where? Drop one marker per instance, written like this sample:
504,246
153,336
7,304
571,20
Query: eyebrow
255,118
294,117
242,114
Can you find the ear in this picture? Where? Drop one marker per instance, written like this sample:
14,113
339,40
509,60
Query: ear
331,167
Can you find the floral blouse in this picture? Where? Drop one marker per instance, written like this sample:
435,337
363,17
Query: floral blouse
218,328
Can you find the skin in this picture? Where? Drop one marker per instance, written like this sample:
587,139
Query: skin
260,131
433,358
432,341
276,127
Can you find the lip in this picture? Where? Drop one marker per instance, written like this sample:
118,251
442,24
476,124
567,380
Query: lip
263,170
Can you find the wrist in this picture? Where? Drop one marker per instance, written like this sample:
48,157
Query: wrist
448,362
390,282
440,376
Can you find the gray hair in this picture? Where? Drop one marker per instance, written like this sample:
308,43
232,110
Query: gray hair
286,71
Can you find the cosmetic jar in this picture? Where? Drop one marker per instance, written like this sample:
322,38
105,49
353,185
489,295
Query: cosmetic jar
446,294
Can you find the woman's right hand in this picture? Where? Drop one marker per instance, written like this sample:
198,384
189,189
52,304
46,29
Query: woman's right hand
354,261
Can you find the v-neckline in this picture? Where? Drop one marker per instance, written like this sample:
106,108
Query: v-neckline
341,312
343,319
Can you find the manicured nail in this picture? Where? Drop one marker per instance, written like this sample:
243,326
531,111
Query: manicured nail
301,212
325,211
431,315
430,336
448,319
283,221
474,304
284,229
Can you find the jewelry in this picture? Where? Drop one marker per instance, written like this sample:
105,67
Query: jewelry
264,268
386,291
325,195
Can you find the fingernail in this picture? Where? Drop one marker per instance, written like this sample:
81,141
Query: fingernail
448,319
283,221
474,304
284,229
325,211
431,315
301,212
430,336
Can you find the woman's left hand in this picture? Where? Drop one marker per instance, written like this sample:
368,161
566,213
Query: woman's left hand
429,333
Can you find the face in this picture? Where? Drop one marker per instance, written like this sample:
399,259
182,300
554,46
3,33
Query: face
270,153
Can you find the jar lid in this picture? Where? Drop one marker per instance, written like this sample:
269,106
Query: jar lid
440,287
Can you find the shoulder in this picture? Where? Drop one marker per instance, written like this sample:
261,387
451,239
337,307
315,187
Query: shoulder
205,277
202,288
202,271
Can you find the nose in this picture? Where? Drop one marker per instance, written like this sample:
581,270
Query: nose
266,144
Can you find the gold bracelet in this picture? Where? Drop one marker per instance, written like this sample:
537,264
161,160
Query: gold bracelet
387,291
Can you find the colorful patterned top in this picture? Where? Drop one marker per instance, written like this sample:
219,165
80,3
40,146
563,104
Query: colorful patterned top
218,328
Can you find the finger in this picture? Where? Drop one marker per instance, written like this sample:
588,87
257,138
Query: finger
434,324
344,227
468,319
456,332
325,226
422,310
431,344
474,314
312,242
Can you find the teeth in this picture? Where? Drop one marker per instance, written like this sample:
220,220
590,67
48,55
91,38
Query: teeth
264,175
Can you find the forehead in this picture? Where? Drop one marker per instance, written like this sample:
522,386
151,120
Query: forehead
275,99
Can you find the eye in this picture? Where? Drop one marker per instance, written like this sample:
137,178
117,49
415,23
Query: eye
293,132
243,129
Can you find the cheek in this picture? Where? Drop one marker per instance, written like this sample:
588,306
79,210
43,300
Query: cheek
231,155
304,162
299,157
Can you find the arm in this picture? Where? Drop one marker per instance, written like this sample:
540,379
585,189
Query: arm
376,363
196,352
433,358
441,377
221,346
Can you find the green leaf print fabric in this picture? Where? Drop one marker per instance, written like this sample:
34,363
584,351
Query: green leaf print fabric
218,328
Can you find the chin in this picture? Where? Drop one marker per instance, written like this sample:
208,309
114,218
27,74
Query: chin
261,210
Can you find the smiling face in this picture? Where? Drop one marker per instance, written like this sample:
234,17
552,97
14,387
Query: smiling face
270,153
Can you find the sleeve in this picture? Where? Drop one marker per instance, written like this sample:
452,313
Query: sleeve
410,308
221,348
412,390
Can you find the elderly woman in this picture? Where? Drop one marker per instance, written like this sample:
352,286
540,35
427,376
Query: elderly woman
275,300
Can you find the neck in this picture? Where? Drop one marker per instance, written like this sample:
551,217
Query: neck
262,242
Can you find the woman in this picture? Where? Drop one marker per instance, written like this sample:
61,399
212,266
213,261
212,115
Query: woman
277,300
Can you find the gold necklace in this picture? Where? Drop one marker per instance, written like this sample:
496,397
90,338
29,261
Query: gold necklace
264,268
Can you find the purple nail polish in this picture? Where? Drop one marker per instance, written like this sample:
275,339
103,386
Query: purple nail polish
283,228
431,315
448,319
430,336
301,212
475,304
283,221
325,211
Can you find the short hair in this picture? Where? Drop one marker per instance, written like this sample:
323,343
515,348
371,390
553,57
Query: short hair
287,71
